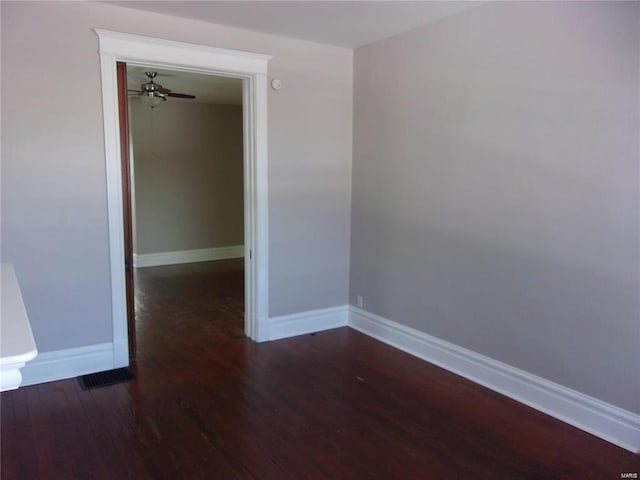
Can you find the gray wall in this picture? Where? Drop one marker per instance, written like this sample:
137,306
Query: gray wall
54,200
188,175
495,192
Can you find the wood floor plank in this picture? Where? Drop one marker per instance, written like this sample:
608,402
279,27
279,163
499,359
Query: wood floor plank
207,403
16,460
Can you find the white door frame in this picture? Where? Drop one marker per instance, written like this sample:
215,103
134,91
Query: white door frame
252,69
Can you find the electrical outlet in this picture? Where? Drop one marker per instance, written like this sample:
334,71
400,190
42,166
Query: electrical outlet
360,301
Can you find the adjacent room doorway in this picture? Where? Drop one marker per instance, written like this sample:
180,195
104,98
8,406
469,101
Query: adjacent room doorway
162,54
183,188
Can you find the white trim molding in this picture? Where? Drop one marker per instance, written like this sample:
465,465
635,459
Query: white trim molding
189,55
141,260
68,363
252,69
311,321
599,418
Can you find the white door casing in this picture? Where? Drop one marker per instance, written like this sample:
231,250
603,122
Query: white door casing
252,69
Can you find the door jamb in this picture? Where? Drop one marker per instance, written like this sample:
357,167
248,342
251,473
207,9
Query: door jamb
123,123
252,68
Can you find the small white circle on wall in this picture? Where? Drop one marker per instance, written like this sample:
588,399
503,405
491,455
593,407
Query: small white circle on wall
276,84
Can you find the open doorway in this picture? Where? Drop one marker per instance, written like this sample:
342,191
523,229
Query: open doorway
186,201
251,68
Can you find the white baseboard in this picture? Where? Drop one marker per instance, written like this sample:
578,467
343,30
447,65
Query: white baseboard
308,322
599,418
187,256
68,363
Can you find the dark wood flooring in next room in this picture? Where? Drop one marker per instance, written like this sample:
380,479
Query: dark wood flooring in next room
210,404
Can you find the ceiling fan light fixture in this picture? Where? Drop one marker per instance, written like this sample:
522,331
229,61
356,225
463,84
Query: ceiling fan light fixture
153,94
152,99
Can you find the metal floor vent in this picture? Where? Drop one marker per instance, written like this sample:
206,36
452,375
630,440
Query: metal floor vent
102,379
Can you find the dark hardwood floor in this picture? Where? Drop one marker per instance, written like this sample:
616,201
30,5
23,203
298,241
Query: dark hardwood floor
209,404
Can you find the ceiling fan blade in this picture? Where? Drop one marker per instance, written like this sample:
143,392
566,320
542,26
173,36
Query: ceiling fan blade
134,92
161,89
180,95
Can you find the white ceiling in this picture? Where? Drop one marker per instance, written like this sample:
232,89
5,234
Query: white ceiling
343,23
206,88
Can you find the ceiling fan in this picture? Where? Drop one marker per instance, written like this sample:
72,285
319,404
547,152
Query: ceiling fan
153,94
